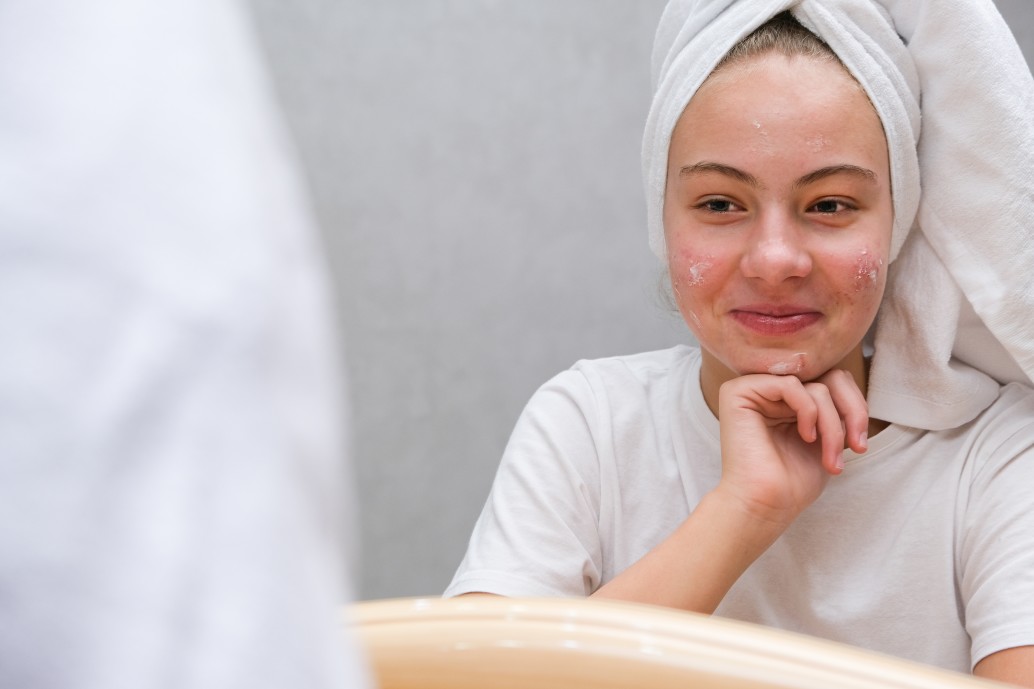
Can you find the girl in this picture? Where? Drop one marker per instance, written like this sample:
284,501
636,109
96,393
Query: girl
791,470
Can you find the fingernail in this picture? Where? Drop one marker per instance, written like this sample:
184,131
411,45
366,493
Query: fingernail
840,462
863,440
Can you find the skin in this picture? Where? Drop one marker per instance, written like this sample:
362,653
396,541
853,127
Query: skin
778,217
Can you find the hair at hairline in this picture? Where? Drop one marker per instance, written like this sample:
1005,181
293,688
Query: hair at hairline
781,34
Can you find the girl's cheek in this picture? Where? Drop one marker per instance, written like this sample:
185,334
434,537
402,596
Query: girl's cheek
690,274
691,270
868,268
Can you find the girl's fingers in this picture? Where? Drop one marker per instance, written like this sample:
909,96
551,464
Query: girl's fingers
830,427
851,406
831,411
782,399
779,399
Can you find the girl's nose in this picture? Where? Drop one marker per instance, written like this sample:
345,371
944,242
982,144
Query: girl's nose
776,251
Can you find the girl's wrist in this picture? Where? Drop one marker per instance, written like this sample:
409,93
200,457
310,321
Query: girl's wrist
756,522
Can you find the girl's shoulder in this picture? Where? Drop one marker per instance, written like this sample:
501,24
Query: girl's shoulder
1003,432
643,368
1011,411
623,388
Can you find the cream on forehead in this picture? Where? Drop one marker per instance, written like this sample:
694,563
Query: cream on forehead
817,143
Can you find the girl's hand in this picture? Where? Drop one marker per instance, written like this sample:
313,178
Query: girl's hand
782,439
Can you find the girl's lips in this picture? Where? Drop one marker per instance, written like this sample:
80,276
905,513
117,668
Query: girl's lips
776,321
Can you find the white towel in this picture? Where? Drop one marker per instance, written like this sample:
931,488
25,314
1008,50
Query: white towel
958,314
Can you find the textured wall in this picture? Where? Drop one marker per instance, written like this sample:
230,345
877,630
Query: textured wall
475,165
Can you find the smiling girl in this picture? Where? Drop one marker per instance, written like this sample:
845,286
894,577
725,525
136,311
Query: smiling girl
747,477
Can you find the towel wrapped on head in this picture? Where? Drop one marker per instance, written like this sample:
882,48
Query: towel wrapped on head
958,314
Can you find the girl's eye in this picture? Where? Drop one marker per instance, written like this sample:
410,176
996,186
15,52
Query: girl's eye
718,206
830,206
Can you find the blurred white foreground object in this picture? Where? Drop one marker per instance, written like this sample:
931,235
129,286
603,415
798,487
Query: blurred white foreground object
171,483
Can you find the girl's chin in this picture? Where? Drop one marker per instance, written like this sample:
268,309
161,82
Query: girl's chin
807,366
795,364
778,364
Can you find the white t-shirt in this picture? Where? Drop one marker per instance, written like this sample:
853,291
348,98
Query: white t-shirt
922,548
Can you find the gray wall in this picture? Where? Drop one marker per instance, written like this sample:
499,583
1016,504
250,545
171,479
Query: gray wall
475,165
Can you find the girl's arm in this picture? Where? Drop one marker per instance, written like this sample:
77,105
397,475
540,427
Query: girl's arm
1013,666
781,440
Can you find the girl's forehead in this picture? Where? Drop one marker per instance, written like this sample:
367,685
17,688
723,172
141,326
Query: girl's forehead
810,99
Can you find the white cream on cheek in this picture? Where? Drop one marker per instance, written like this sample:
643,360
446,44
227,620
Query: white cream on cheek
867,271
692,273
696,272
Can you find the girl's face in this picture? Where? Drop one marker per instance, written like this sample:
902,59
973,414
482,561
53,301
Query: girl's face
777,217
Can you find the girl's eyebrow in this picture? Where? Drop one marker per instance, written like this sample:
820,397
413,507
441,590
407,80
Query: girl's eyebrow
720,169
853,170
749,179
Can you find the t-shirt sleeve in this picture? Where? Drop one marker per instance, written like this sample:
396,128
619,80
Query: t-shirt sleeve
996,554
538,533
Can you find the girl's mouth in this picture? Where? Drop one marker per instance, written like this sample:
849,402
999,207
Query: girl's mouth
776,320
